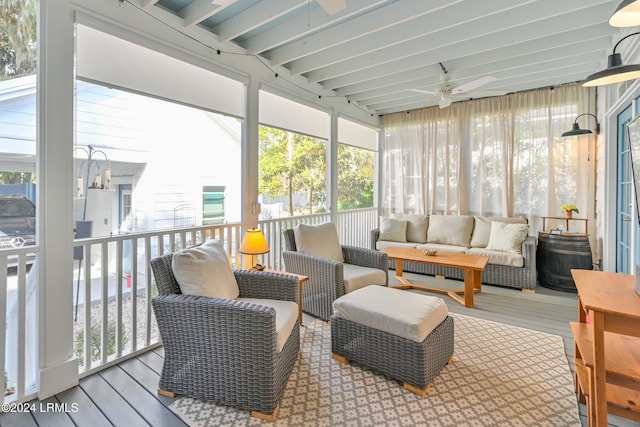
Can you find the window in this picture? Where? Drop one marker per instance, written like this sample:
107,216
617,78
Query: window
356,168
357,165
292,173
496,156
212,205
138,136
125,217
159,155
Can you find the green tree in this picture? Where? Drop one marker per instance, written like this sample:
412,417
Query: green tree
292,163
16,177
17,38
275,165
309,164
355,177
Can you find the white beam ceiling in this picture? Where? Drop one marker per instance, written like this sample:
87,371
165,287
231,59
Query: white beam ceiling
376,52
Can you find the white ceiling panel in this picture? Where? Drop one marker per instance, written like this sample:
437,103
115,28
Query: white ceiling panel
376,53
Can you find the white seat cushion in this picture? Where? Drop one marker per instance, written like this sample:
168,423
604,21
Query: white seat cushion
405,314
321,240
205,271
356,277
498,257
286,316
443,248
381,244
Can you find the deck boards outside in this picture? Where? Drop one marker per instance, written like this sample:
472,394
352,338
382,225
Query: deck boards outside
126,394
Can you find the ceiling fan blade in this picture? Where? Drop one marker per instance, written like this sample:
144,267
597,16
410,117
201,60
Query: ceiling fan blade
473,84
332,6
428,92
445,101
484,93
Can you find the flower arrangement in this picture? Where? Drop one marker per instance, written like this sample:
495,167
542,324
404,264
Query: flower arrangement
568,207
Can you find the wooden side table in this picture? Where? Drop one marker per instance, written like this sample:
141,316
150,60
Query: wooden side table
566,222
301,280
607,357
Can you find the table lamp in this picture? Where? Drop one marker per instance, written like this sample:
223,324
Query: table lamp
254,244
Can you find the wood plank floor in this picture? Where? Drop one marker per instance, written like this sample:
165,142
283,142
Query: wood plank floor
125,395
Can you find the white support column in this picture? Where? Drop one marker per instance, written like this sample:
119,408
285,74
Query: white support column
250,154
332,167
55,134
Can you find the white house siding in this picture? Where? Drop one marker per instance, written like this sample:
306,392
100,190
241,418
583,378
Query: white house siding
167,152
191,149
18,124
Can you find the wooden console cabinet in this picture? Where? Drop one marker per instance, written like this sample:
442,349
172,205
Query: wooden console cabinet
607,353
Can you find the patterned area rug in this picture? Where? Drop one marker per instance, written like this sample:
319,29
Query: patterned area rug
501,375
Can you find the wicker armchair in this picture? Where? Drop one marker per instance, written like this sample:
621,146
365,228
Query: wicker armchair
326,277
224,350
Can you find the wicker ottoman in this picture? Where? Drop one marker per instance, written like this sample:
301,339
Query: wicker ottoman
404,335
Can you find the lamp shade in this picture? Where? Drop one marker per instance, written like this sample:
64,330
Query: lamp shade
254,243
627,14
615,72
575,130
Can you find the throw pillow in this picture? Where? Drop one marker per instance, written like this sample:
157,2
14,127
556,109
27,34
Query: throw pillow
321,240
393,230
506,237
205,271
450,229
482,229
416,226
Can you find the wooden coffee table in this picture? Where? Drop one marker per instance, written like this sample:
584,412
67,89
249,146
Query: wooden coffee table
473,265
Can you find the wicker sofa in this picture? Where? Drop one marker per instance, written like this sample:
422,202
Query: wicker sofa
462,234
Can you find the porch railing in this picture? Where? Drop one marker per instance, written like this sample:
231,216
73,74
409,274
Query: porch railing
354,228
18,335
113,287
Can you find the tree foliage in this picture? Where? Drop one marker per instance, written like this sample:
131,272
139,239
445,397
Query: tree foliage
293,164
17,38
355,177
16,177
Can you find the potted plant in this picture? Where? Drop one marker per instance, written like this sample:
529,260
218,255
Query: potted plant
568,210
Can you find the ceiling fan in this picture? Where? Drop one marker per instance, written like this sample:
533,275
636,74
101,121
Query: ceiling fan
332,6
448,89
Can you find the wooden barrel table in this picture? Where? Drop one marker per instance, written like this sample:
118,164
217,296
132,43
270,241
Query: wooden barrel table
557,254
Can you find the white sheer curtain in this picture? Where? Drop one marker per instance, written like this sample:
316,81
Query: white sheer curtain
496,156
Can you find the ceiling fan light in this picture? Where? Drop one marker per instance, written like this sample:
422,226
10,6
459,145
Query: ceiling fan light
332,6
614,73
445,101
627,14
